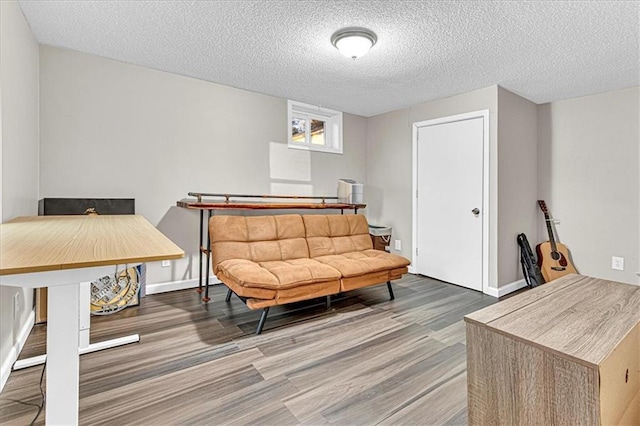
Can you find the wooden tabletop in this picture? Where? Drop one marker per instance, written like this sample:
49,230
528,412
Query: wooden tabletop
577,316
47,243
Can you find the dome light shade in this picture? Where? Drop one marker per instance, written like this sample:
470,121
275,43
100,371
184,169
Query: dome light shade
353,42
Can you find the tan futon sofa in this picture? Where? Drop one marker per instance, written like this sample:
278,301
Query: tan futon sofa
274,260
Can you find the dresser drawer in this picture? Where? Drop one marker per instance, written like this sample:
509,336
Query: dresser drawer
620,382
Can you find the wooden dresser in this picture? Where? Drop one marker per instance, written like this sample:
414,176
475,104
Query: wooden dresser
567,352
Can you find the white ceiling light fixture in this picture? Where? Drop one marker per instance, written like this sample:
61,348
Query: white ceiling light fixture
353,42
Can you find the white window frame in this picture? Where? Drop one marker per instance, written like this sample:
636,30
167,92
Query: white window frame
333,127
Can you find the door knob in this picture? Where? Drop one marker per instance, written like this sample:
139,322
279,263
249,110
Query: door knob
476,211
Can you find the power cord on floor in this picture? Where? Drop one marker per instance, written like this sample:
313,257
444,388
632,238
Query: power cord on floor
44,398
40,406
17,401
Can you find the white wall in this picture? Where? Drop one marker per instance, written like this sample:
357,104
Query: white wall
389,164
589,175
19,154
110,129
517,176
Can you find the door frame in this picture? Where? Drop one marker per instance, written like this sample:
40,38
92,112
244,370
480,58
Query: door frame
485,185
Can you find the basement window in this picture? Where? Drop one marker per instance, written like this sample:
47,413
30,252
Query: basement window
314,128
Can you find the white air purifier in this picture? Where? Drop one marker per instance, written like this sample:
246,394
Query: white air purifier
350,191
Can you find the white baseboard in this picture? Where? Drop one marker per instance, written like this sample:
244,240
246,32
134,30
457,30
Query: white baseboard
495,292
5,370
177,285
506,289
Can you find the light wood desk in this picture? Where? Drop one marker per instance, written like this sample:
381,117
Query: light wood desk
59,252
567,352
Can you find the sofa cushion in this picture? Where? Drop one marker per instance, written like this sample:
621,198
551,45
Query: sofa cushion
300,271
336,234
356,263
277,275
257,238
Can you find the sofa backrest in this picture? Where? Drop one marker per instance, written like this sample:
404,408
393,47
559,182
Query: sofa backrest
257,238
336,234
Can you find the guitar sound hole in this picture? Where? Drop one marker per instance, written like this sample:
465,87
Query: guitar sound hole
555,255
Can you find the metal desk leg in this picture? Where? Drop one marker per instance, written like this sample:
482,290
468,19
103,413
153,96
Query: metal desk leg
84,332
84,345
199,290
208,254
63,369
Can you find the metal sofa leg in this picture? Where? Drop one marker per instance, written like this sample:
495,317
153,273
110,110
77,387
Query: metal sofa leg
228,298
263,318
391,296
328,302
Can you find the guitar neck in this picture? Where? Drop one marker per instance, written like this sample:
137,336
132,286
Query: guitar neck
552,240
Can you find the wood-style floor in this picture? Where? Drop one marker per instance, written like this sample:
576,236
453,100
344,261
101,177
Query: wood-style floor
367,360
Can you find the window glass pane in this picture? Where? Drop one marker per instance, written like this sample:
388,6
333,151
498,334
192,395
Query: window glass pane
313,128
298,129
317,132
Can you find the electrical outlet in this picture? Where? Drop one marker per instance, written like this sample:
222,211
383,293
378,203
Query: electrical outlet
398,245
16,305
617,263
165,263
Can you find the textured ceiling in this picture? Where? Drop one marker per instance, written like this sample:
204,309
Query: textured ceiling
542,50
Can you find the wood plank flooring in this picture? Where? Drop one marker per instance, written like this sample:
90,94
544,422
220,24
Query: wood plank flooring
367,360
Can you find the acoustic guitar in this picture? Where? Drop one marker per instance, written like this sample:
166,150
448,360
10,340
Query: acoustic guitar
553,257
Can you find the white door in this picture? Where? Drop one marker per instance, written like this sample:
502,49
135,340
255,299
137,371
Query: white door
449,201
